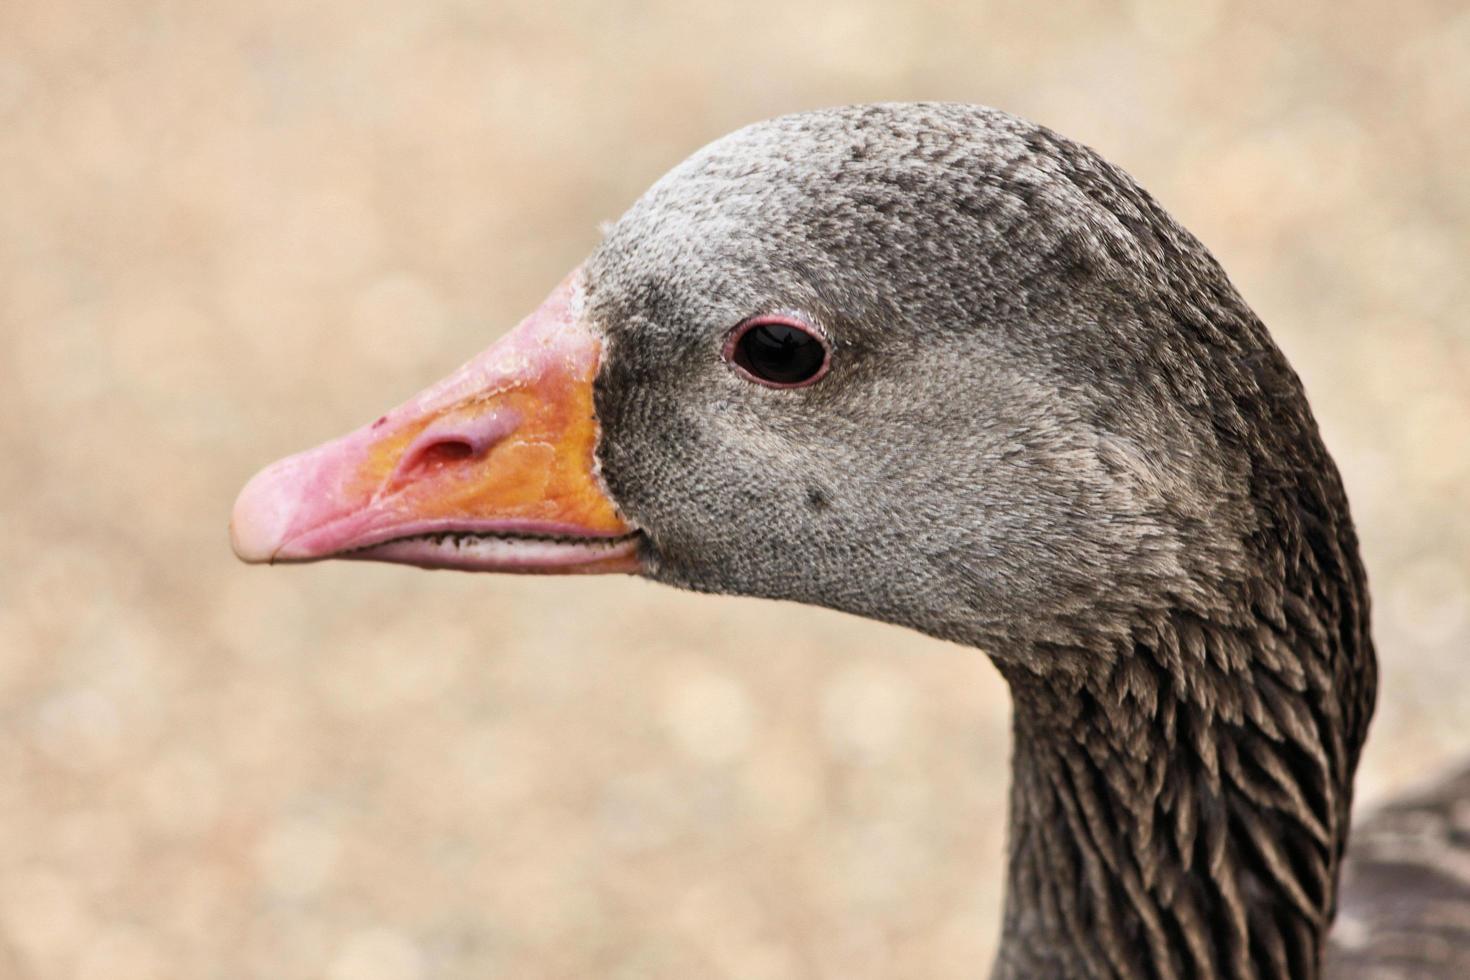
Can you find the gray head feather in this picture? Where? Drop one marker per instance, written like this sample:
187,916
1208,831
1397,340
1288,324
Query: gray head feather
1018,430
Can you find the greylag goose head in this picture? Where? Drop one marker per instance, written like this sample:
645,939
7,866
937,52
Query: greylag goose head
935,365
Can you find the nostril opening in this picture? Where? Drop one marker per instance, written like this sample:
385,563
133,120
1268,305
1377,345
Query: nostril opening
455,440
441,453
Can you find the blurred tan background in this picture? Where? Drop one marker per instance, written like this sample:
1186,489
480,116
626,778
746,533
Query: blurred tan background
231,230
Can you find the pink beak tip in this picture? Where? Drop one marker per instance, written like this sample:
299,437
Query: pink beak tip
262,516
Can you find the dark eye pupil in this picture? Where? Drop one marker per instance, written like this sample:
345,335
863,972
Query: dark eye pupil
780,353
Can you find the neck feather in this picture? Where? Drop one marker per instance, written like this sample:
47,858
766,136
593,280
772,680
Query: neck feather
1180,810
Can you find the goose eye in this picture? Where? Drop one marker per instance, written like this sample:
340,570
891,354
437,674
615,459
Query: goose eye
778,352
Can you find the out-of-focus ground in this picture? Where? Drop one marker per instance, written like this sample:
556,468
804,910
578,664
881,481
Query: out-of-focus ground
231,230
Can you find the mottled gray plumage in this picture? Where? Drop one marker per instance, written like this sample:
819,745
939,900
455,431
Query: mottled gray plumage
1052,430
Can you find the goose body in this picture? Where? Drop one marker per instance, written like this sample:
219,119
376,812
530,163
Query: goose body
935,365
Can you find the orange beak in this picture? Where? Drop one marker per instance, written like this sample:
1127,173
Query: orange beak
491,469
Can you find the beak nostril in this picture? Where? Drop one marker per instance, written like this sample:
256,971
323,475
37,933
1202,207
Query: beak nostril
436,455
441,453
455,440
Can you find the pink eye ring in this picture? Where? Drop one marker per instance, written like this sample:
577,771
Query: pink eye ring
779,351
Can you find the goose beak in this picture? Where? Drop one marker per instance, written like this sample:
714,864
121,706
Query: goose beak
491,469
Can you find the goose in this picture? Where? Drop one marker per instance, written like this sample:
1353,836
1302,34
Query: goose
938,366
